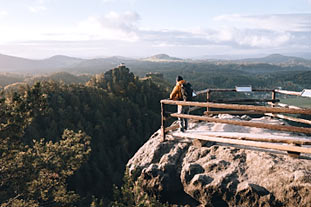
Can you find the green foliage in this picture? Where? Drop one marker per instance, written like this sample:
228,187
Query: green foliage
227,75
116,109
36,174
131,194
64,77
17,111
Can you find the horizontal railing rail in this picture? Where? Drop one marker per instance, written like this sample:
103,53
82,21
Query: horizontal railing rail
275,109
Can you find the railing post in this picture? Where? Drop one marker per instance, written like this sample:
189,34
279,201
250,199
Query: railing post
208,97
273,98
163,121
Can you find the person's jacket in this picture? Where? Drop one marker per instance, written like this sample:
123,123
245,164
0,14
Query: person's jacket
176,92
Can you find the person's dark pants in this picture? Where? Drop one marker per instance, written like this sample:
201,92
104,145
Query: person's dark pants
183,123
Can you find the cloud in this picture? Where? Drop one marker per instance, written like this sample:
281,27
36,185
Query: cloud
264,31
241,32
113,26
126,21
108,1
274,22
36,9
234,38
235,31
38,6
132,2
3,13
231,33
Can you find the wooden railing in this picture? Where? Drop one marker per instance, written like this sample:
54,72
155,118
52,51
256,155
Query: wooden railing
275,110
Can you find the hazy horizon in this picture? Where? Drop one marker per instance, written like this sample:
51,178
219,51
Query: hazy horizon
306,56
40,29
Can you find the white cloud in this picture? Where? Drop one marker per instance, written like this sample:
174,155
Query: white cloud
108,1
234,32
36,9
274,22
262,31
126,21
261,39
131,2
38,6
3,13
113,26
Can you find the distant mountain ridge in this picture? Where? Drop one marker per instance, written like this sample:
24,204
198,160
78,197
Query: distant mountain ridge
18,64
71,64
276,59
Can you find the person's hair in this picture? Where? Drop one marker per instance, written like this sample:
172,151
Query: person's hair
179,78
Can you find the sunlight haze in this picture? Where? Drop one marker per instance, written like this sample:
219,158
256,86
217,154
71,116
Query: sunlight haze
141,28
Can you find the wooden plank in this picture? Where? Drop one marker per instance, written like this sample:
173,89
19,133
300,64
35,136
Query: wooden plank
208,98
234,90
244,100
229,90
293,93
233,112
201,92
283,147
273,95
245,123
258,137
281,116
239,107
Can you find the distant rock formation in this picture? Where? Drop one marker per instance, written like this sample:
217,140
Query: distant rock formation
163,58
219,175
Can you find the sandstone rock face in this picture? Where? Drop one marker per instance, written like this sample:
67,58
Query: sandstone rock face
213,174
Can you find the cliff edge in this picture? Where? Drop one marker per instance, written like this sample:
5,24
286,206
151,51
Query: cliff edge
188,172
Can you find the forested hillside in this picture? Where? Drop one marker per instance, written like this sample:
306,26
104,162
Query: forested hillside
202,73
116,109
210,75
34,172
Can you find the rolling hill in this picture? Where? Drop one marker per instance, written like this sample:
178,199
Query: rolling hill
23,65
277,59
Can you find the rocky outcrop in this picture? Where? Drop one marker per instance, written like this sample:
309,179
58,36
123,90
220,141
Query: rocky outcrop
213,174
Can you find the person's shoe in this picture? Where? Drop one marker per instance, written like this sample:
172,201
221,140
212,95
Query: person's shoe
181,130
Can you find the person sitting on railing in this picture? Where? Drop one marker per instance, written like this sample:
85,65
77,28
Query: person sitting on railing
177,95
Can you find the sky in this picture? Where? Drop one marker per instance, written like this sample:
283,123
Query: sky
141,28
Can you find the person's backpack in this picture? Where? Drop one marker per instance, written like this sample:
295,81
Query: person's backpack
186,91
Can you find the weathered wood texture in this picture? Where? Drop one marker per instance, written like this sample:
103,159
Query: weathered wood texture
244,100
259,137
293,93
281,116
245,123
233,112
230,90
239,107
283,147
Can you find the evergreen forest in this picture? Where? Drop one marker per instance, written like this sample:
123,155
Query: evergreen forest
68,144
